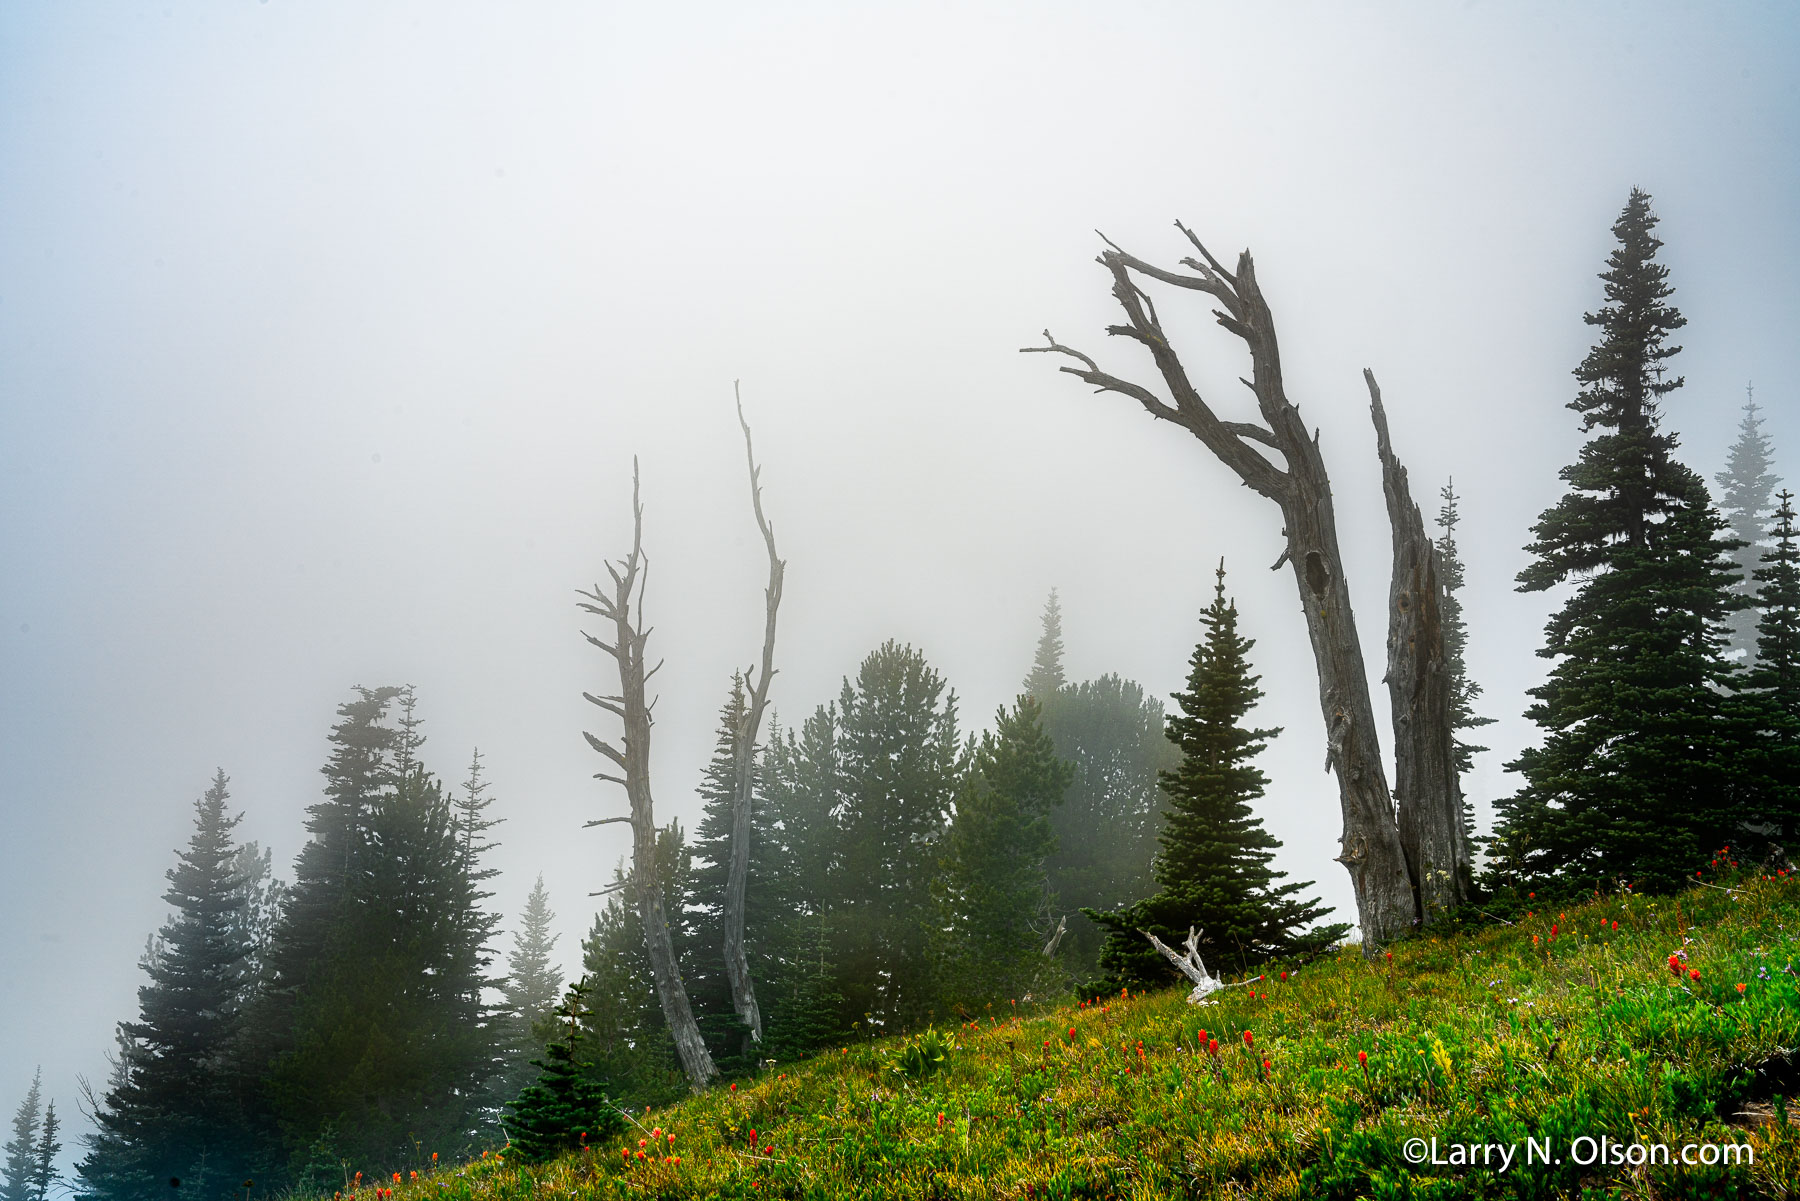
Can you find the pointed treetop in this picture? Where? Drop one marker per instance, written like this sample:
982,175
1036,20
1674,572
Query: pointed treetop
1047,668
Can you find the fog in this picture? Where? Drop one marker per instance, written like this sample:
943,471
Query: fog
328,334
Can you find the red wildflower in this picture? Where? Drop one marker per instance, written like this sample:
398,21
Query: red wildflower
1741,987
1362,1057
1248,1041
1694,974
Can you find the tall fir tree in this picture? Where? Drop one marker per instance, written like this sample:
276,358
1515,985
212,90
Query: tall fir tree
176,1109
15,1182
1112,735
1634,777
1746,498
1046,676
1213,870
992,893
1463,690
529,994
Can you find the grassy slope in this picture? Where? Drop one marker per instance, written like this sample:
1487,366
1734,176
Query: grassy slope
1491,1036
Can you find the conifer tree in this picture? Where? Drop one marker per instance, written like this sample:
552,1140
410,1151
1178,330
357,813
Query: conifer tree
1112,735
1047,668
388,1040
1633,780
992,894
898,755
809,1011
175,1109
704,969
1778,631
564,1110
631,1052
1770,701
43,1165
15,1184
1213,869
1746,497
1463,690
530,990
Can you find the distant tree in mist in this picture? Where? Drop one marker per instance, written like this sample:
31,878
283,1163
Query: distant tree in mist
1113,737
1746,498
176,1105
1463,689
1046,676
529,994
1213,869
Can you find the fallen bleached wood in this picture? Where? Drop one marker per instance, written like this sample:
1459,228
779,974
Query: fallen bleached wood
1191,966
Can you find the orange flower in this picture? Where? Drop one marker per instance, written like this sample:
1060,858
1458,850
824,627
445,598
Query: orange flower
1741,987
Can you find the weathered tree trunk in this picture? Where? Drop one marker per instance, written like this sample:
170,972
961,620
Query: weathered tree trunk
737,963
1371,846
1426,786
632,757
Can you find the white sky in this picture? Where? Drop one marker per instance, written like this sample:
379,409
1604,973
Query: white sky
328,331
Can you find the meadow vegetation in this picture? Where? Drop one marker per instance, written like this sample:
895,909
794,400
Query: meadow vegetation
1652,1021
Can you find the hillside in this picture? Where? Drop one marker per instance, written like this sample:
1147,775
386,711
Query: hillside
1568,1026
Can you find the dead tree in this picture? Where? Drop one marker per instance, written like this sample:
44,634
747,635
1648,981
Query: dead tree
632,757
737,964
1418,682
1388,899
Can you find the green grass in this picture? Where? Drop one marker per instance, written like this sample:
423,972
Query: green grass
1493,1035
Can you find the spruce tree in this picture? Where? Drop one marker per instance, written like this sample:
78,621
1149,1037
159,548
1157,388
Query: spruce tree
175,1109
530,991
564,1110
43,1164
1047,668
992,894
1213,869
15,1184
1463,690
1633,780
1746,497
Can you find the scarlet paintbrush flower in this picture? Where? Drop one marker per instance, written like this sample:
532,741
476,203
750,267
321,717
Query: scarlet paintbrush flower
734,1083
1284,975
768,1150
670,1136
1531,896
1553,930
1362,1057
1248,1041
1213,1045
753,1138
1694,974
940,1117
1615,925
1741,988
1071,1032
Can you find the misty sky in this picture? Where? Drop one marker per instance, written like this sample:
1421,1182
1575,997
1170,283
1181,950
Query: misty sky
328,333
